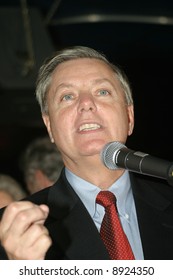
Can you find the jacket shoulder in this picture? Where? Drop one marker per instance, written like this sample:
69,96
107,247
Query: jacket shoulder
150,185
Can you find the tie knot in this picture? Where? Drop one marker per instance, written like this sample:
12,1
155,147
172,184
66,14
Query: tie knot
105,198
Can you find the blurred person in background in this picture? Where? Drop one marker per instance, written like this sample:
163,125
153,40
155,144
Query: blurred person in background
10,190
41,164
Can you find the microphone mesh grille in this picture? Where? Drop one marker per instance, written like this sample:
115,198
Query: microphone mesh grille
108,154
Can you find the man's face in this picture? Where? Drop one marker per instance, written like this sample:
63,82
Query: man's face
86,108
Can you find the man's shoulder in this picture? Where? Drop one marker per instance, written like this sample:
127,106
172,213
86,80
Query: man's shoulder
39,197
152,185
42,195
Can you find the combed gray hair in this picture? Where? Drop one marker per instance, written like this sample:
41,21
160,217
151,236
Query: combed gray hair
75,52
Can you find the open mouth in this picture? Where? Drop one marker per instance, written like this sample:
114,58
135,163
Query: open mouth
89,126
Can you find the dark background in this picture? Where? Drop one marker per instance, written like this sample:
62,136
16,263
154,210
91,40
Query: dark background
137,35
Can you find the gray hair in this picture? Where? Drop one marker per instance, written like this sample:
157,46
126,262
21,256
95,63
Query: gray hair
11,186
42,155
76,52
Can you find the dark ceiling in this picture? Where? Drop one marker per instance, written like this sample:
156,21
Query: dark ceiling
138,35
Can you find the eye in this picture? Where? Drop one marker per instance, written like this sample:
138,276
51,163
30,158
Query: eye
67,97
103,92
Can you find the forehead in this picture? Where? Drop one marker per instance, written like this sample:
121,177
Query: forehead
83,67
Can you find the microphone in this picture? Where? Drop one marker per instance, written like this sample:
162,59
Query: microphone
116,155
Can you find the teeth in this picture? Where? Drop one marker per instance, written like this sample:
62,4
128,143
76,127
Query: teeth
89,126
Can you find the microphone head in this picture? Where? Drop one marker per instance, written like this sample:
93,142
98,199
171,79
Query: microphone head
109,152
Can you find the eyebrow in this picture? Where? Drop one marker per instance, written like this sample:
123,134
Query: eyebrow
63,85
94,82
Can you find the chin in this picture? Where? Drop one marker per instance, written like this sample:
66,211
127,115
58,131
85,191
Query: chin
92,149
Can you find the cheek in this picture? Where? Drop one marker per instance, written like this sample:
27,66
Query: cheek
119,119
118,114
61,125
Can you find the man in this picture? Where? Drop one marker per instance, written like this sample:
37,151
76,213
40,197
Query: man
41,164
86,103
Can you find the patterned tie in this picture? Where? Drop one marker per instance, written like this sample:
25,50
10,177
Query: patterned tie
111,230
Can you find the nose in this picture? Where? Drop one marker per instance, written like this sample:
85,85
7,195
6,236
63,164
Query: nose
86,103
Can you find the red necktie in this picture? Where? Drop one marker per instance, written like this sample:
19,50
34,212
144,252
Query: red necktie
111,230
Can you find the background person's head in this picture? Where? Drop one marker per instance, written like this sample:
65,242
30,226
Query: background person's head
41,164
10,190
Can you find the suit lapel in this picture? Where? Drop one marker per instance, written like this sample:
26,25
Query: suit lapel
73,232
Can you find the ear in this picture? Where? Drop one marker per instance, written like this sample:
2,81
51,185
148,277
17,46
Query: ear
130,109
46,121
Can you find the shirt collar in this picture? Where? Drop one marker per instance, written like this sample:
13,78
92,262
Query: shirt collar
87,192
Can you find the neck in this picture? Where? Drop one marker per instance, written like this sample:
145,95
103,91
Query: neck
93,171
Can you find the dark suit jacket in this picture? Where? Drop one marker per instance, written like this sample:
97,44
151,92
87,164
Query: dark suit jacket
75,236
